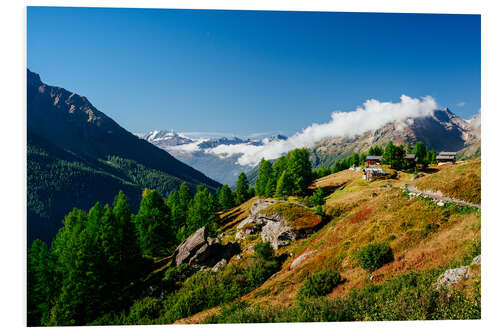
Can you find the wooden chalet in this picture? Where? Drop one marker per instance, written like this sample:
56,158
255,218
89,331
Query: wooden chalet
446,158
373,160
411,159
374,173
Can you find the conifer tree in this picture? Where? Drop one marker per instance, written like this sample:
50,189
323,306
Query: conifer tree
299,169
264,173
388,153
201,212
285,185
270,187
79,267
420,152
409,148
225,199
317,199
155,235
241,192
41,288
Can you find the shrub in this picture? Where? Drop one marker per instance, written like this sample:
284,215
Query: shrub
374,256
174,276
207,289
263,251
144,311
319,284
318,197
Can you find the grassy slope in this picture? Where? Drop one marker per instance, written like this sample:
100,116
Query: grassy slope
422,235
461,181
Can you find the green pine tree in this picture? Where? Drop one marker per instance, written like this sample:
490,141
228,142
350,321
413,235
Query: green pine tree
155,235
241,193
299,169
264,173
285,185
201,212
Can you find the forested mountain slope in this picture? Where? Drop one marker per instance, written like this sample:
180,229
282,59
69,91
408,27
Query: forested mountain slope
76,155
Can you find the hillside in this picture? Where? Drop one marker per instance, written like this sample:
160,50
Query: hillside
426,238
77,155
442,131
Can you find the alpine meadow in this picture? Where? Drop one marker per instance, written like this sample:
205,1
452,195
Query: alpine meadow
252,166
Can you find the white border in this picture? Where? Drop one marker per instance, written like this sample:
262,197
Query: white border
13,140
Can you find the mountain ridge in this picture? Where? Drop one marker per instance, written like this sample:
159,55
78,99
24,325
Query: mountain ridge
442,131
77,155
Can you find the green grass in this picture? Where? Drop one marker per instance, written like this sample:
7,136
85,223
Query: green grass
411,296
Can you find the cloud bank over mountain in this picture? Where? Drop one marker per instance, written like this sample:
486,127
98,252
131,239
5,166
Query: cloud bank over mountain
371,116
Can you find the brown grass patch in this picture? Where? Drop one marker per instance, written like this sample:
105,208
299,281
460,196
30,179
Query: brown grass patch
297,217
460,181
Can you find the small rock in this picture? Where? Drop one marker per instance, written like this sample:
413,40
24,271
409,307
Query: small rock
452,276
440,203
301,258
218,266
476,260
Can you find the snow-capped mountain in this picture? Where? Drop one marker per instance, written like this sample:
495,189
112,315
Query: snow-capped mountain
166,138
202,153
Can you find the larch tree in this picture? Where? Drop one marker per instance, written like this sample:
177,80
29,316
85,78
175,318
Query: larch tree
241,192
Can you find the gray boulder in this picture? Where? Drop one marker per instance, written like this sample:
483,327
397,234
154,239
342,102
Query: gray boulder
452,276
200,251
190,246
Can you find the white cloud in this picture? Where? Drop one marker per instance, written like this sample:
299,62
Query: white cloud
460,104
372,115
476,120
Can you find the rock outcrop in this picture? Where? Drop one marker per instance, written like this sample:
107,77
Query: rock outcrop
277,232
455,275
452,276
255,221
273,226
201,251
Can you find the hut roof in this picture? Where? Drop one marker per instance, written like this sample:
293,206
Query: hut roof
445,157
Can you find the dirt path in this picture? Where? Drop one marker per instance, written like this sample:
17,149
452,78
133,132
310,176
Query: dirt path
441,197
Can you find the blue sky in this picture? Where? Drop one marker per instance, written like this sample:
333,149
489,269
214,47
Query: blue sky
245,72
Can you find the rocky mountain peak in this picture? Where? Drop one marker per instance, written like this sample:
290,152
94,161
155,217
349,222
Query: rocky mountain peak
33,79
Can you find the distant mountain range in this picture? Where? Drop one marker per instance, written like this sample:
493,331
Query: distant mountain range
200,154
76,156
